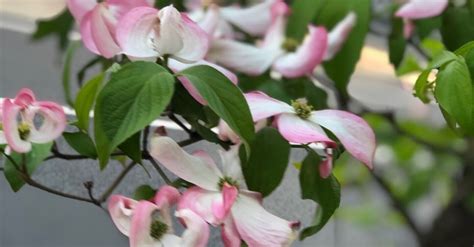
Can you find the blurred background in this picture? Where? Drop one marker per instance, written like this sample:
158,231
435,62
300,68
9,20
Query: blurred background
420,194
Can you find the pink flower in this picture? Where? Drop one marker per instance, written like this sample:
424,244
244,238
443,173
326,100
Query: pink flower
419,9
150,224
98,22
286,56
298,123
27,121
146,33
339,35
254,20
220,198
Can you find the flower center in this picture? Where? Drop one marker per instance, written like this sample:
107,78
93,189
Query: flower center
1,126
158,229
302,108
24,131
290,45
227,180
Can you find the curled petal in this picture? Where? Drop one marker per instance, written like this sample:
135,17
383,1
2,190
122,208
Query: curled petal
210,21
24,98
53,125
164,199
226,133
263,106
325,168
221,208
86,33
353,132
121,7
121,211
339,35
184,165
419,9
259,228
141,227
197,230
134,32
242,57
79,8
103,31
254,20
229,233
201,202
307,56
10,127
297,130
408,28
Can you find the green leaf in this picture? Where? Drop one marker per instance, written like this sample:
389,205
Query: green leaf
66,78
426,26
325,192
422,86
454,92
264,172
131,147
396,42
144,192
85,101
341,67
32,160
303,13
224,98
59,26
457,28
443,58
133,98
82,143
465,49
432,46
409,65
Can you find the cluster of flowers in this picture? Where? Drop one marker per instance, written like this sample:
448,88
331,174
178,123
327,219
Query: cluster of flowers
207,35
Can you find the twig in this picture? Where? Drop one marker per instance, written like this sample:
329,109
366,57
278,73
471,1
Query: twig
193,139
146,132
180,124
398,205
37,185
160,171
116,182
89,186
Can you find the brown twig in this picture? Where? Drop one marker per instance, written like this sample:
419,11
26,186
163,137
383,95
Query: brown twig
116,182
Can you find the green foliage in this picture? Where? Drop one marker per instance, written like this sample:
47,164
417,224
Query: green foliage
457,28
135,96
325,192
67,72
85,101
59,26
224,98
408,65
342,66
29,161
82,143
263,172
131,147
303,13
144,192
396,42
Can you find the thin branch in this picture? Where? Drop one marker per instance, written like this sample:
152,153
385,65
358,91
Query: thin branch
89,186
116,182
37,185
146,132
398,205
194,138
160,171
175,119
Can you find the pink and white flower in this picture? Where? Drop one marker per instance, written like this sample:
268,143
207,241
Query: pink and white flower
98,22
149,223
286,56
220,198
298,123
148,33
254,20
419,9
26,120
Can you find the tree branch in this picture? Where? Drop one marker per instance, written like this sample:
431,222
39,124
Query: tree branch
116,182
398,205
